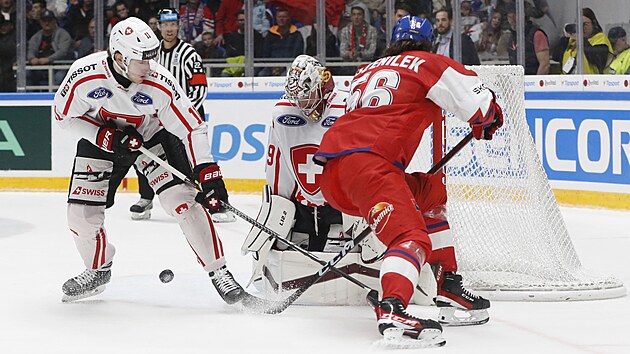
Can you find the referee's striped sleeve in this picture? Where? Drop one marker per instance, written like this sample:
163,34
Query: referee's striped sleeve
196,77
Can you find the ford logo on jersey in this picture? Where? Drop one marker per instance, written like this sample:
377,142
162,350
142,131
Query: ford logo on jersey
328,121
141,98
291,121
100,93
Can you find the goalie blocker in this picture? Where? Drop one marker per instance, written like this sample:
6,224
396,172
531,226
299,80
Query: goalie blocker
275,268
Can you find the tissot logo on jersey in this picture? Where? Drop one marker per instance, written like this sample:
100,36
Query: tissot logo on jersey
168,82
87,191
100,92
141,98
379,216
74,74
291,121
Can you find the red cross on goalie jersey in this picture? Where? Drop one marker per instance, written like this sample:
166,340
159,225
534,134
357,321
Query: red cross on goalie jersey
307,172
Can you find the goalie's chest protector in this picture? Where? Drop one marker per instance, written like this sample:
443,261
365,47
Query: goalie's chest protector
297,137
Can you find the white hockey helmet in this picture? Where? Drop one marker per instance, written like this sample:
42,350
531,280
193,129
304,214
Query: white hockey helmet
133,39
308,85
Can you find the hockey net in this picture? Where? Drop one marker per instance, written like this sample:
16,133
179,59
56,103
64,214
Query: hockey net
511,240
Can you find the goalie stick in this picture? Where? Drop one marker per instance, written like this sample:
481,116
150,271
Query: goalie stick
292,245
275,307
356,240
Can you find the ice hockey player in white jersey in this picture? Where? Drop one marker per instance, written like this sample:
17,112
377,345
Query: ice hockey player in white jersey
299,120
115,102
311,104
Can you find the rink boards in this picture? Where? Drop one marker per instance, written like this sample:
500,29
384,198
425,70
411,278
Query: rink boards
580,125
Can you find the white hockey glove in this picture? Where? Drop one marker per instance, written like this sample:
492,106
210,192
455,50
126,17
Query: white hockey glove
276,213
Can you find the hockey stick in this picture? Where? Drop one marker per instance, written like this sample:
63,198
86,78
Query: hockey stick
355,241
251,301
292,245
446,158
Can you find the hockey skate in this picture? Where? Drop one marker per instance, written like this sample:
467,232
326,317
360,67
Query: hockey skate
458,306
89,283
230,291
223,215
402,330
141,210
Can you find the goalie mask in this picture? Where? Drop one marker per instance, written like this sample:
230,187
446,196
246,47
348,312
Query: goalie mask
137,44
308,86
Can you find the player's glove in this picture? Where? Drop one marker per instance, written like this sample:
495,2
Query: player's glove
113,140
483,127
212,186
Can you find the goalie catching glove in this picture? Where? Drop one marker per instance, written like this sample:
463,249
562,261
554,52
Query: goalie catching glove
212,187
113,140
484,127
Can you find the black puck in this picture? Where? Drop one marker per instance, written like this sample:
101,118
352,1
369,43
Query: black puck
166,276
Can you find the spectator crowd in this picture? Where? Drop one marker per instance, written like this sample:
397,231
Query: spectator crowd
64,30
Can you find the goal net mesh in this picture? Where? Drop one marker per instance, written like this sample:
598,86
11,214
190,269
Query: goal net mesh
511,240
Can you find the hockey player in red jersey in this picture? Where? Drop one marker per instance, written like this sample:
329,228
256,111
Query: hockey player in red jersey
365,153
116,102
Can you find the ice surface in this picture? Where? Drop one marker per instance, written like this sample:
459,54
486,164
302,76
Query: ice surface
139,314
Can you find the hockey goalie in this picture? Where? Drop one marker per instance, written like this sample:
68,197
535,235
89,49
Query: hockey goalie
294,207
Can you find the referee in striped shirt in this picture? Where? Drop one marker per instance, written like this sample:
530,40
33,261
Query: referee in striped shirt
181,59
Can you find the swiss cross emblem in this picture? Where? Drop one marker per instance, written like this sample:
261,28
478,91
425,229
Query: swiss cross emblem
128,31
181,209
308,173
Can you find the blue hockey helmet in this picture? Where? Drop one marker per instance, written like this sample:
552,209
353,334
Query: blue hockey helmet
412,28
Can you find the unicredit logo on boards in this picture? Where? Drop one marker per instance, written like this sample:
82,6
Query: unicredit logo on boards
584,145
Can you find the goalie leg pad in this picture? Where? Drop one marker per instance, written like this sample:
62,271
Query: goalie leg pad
196,224
86,223
276,213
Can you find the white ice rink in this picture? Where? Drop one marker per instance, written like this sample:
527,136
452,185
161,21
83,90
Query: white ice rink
138,314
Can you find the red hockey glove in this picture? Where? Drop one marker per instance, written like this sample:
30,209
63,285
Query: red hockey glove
212,186
485,127
113,140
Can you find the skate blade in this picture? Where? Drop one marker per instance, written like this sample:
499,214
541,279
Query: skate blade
141,216
228,216
452,317
70,298
395,338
